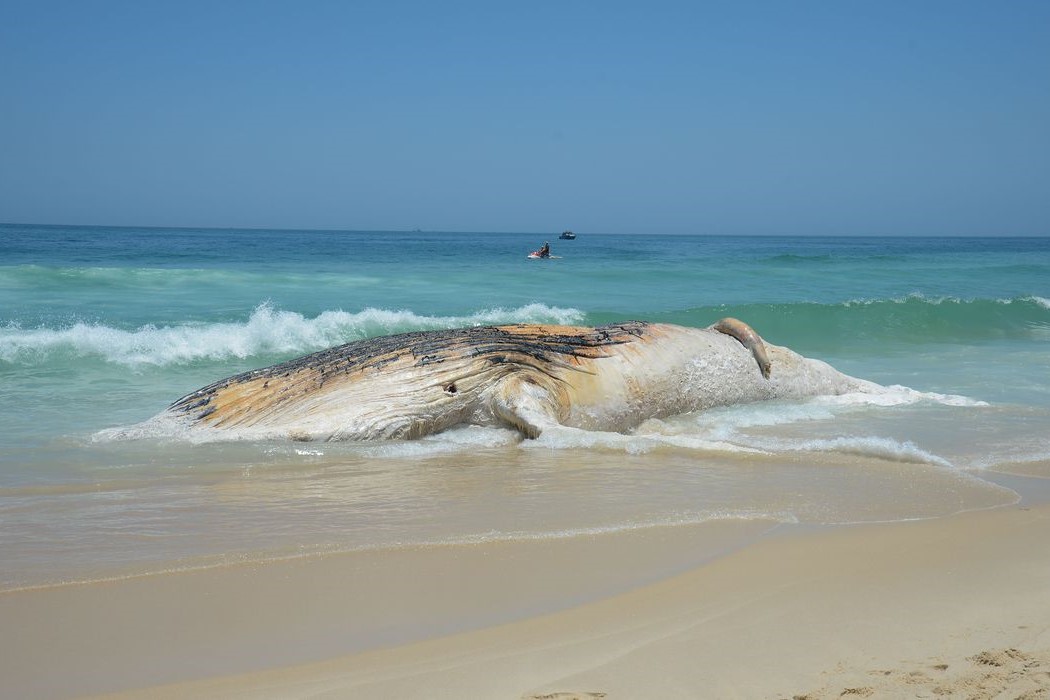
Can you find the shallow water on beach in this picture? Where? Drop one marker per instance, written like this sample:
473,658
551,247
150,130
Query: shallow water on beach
100,329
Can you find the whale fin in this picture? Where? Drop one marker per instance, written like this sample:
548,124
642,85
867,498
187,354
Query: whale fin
525,405
748,338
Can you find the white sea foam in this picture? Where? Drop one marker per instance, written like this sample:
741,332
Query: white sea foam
723,424
722,421
896,395
639,442
943,300
1045,303
159,427
268,331
1033,453
462,439
907,298
862,446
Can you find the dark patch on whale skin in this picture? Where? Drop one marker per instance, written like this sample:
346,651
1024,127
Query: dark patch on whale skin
542,344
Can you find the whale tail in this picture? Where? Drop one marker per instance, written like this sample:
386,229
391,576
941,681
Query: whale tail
749,339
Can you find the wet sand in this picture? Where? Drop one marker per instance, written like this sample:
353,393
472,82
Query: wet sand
954,607
149,630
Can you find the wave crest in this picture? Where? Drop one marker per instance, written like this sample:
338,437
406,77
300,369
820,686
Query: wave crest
268,331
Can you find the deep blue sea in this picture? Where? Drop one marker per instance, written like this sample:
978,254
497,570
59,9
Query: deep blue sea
102,328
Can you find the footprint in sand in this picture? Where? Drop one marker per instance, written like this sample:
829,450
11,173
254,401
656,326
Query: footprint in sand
991,673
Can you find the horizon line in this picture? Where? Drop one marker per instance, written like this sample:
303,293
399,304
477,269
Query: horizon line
523,233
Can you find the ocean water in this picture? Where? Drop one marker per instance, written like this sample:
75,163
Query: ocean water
102,328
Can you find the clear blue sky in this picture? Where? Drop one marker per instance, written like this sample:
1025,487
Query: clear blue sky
919,117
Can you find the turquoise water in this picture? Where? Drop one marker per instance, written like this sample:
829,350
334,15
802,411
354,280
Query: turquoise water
101,328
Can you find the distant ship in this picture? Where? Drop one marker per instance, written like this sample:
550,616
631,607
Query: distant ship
567,236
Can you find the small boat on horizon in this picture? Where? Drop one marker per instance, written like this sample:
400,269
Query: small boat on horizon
567,236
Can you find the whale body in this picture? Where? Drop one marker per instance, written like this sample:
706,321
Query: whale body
525,376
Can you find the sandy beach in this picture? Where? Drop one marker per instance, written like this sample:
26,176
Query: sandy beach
953,607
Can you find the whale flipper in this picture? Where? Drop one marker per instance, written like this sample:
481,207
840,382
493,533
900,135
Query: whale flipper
524,405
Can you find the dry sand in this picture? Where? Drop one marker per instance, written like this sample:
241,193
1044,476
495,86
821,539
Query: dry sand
957,607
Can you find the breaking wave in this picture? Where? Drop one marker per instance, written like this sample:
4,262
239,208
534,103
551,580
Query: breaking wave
267,332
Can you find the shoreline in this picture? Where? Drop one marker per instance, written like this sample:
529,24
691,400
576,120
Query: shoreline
733,612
